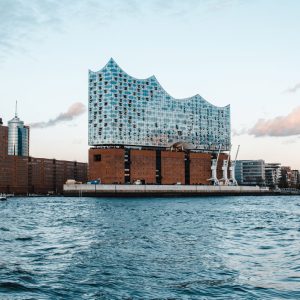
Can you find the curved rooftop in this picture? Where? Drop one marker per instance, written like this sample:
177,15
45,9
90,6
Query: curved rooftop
112,63
124,110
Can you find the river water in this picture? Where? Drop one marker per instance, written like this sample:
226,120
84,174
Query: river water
172,248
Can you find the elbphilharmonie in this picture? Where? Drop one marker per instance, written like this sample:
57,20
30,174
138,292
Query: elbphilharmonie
137,131
124,110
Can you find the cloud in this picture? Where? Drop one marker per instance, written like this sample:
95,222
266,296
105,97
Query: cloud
23,21
288,125
75,110
20,19
237,132
294,89
291,141
78,141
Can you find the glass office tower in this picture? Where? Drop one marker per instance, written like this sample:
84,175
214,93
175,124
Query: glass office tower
18,137
127,111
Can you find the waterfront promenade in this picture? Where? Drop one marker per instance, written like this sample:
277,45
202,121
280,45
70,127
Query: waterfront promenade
126,190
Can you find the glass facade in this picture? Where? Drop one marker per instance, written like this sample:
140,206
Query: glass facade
124,110
18,138
272,174
250,172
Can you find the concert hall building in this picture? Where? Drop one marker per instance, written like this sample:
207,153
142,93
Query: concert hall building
137,131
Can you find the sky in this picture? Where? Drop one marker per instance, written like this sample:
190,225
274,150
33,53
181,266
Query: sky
242,53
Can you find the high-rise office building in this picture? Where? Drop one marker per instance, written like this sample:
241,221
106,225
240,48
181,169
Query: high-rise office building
18,137
127,111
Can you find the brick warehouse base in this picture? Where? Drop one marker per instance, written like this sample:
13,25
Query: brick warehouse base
118,166
107,164
23,175
200,164
143,166
172,167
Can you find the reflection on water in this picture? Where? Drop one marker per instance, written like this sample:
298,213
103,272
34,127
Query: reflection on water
175,248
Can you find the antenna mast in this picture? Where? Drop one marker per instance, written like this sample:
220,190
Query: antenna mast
237,152
16,109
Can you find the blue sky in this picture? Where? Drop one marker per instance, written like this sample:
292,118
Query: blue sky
242,53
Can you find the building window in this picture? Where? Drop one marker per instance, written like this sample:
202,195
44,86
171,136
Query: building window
97,157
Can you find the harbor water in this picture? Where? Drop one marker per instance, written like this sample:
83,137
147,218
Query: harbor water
152,248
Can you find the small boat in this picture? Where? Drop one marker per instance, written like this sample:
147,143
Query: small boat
3,197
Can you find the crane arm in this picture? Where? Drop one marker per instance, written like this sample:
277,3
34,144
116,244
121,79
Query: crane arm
218,154
237,152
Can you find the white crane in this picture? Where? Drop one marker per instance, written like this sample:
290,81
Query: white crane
214,165
225,170
232,169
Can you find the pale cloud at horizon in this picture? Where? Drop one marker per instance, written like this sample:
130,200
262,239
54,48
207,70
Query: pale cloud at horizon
280,126
293,89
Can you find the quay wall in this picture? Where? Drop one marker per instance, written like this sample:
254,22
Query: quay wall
104,190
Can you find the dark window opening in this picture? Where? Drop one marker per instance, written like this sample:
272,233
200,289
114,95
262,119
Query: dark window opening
97,157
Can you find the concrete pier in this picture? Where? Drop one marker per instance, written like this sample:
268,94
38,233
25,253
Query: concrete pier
123,190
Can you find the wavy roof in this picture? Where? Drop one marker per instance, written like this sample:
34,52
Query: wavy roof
112,63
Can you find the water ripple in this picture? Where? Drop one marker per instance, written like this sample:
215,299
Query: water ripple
177,248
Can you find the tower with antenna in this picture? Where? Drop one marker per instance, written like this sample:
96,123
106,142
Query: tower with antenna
18,136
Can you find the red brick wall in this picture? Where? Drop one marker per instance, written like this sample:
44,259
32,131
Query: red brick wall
3,141
143,165
81,172
110,169
172,167
49,175
37,177
7,173
14,175
22,175
200,168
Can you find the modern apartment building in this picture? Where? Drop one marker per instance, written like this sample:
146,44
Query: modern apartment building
295,180
137,131
250,172
273,174
257,172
